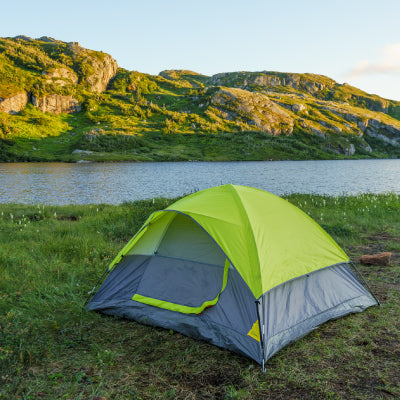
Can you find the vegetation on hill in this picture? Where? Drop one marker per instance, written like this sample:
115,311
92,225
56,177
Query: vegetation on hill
51,348
59,101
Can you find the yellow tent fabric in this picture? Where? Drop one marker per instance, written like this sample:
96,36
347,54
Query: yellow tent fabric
268,240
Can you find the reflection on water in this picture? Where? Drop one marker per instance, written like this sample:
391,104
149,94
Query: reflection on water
61,183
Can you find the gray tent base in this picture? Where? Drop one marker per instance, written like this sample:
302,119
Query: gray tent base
286,313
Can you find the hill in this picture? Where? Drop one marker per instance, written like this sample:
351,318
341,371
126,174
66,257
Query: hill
60,101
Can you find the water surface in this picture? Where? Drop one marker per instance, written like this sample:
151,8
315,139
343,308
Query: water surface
114,183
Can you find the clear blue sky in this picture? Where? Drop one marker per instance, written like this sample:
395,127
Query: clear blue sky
354,41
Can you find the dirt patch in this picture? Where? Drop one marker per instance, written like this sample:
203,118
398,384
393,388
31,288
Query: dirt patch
377,243
210,384
67,218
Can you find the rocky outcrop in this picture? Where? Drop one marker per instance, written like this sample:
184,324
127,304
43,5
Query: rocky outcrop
173,74
309,83
57,104
47,39
23,37
363,122
360,98
105,68
14,104
253,109
61,76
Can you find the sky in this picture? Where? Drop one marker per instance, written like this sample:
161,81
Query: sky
352,41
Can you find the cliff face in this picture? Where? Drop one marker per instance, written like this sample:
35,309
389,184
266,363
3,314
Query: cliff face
51,73
14,103
56,104
104,70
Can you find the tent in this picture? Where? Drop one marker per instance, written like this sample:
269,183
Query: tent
236,266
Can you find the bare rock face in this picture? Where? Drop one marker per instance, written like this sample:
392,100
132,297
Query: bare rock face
255,109
14,104
376,259
105,68
57,104
366,123
269,79
61,76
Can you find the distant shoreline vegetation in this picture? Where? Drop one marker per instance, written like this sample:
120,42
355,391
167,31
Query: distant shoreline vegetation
62,102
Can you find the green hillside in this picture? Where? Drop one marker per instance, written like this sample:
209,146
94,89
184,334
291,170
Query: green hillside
60,101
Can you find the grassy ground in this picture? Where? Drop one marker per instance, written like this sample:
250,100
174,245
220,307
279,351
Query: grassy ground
50,348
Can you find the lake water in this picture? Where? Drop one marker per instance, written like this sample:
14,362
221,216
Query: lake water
83,183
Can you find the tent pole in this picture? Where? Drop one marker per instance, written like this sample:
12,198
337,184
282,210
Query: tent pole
95,286
364,282
261,335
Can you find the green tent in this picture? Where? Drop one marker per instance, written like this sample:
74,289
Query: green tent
236,266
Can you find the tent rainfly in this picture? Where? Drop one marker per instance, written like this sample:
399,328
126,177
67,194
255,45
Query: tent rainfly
235,266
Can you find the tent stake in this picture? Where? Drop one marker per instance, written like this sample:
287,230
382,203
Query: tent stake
95,286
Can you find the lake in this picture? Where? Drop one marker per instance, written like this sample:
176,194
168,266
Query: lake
114,183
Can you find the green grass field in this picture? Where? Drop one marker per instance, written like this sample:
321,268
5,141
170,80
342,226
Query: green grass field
51,348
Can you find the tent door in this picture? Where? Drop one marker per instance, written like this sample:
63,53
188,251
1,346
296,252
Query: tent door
181,285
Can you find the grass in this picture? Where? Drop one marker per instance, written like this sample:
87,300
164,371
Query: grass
50,348
178,114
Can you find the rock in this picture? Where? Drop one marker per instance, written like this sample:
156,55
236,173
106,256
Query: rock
269,79
253,109
57,104
14,104
105,68
78,151
366,147
394,141
376,259
350,151
65,76
362,124
317,131
23,37
298,107
47,39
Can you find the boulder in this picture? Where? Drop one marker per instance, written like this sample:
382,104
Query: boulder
79,151
376,259
298,107
350,150
14,104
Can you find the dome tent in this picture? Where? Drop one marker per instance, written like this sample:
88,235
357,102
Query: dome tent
236,266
